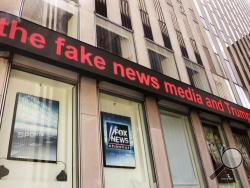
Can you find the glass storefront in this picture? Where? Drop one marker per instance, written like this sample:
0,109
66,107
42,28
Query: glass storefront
38,133
217,144
242,142
126,154
183,160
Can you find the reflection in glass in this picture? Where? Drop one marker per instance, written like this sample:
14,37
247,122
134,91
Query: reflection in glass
58,15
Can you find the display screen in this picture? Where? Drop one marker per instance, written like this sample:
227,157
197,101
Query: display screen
34,130
118,141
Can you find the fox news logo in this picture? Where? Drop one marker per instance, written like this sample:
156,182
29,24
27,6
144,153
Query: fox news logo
118,136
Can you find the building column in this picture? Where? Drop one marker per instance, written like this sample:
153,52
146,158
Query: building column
241,171
89,135
158,145
203,149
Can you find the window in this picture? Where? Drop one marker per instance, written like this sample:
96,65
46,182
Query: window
211,41
38,132
230,70
163,25
58,15
181,151
108,41
182,44
221,66
196,52
221,48
242,142
163,63
155,61
216,147
165,35
224,89
125,15
197,76
145,20
115,39
127,115
244,96
101,7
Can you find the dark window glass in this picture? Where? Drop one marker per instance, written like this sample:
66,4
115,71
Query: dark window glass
182,44
101,7
155,61
209,58
242,142
216,148
62,20
196,52
108,41
126,21
191,74
145,20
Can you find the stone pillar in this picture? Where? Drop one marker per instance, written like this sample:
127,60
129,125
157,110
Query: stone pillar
158,145
89,135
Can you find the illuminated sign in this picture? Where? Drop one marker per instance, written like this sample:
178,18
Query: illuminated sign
55,48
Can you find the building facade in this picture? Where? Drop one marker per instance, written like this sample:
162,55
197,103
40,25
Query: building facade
129,94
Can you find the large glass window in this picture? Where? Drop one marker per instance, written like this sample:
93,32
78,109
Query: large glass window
197,76
115,39
37,133
216,145
126,153
58,15
109,41
242,142
183,160
163,64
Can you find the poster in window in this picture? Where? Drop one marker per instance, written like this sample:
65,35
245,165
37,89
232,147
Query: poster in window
34,129
118,144
216,149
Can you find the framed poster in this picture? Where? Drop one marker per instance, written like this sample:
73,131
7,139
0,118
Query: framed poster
118,144
216,149
34,129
